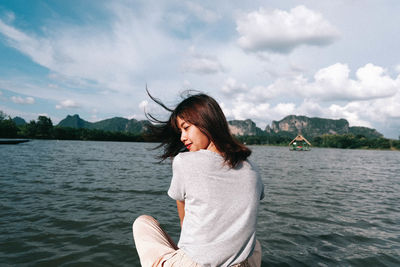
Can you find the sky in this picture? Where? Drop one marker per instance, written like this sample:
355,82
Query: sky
261,60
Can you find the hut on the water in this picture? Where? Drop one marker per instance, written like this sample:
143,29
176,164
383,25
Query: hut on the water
300,143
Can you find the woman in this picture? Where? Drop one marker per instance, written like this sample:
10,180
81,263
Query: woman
216,188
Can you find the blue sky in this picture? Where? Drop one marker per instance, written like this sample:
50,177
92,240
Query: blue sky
261,60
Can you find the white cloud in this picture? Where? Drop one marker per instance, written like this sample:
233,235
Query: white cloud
255,94
20,100
334,83
397,68
44,114
259,112
143,105
311,107
370,98
53,86
38,49
27,116
202,13
263,113
68,103
202,64
354,112
281,31
351,112
382,109
186,84
232,87
106,58
365,113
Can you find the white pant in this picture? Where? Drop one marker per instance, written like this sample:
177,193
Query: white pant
156,248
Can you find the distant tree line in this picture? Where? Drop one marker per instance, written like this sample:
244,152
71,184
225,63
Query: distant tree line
326,140
43,128
8,128
352,141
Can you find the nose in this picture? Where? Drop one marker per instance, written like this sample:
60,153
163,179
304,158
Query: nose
183,137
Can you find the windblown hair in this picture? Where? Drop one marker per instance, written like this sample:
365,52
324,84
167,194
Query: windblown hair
204,112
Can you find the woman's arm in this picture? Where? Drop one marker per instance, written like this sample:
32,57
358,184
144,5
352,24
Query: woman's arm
181,210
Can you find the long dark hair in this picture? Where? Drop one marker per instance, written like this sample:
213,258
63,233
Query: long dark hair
204,112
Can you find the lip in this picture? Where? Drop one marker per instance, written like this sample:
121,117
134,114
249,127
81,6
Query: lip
188,146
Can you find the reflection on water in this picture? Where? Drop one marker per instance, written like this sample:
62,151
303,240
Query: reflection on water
67,202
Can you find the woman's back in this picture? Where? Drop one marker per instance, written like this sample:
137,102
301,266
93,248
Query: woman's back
221,205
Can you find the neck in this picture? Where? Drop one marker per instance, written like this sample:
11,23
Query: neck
213,148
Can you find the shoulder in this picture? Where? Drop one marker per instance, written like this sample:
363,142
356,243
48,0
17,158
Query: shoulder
181,158
199,158
197,155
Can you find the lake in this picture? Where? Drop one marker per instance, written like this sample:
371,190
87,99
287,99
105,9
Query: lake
69,203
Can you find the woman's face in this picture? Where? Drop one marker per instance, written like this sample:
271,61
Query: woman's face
192,137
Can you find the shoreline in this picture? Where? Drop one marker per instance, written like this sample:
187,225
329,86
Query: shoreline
272,145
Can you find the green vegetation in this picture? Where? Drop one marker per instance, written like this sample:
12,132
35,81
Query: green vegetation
43,128
351,141
8,129
326,140
265,139
116,124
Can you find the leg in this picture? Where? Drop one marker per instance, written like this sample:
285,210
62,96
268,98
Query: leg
151,242
255,258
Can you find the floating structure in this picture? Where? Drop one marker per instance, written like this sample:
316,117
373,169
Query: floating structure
300,143
12,141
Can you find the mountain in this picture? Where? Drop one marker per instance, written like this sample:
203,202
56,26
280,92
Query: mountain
74,122
312,127
367,132
116,124
19,121
135,126
246,127
289,126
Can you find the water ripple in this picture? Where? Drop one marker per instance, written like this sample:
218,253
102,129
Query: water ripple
72,203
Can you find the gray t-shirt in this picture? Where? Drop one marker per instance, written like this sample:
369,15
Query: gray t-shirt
221,206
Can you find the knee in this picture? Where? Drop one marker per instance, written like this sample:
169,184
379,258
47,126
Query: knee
142,221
